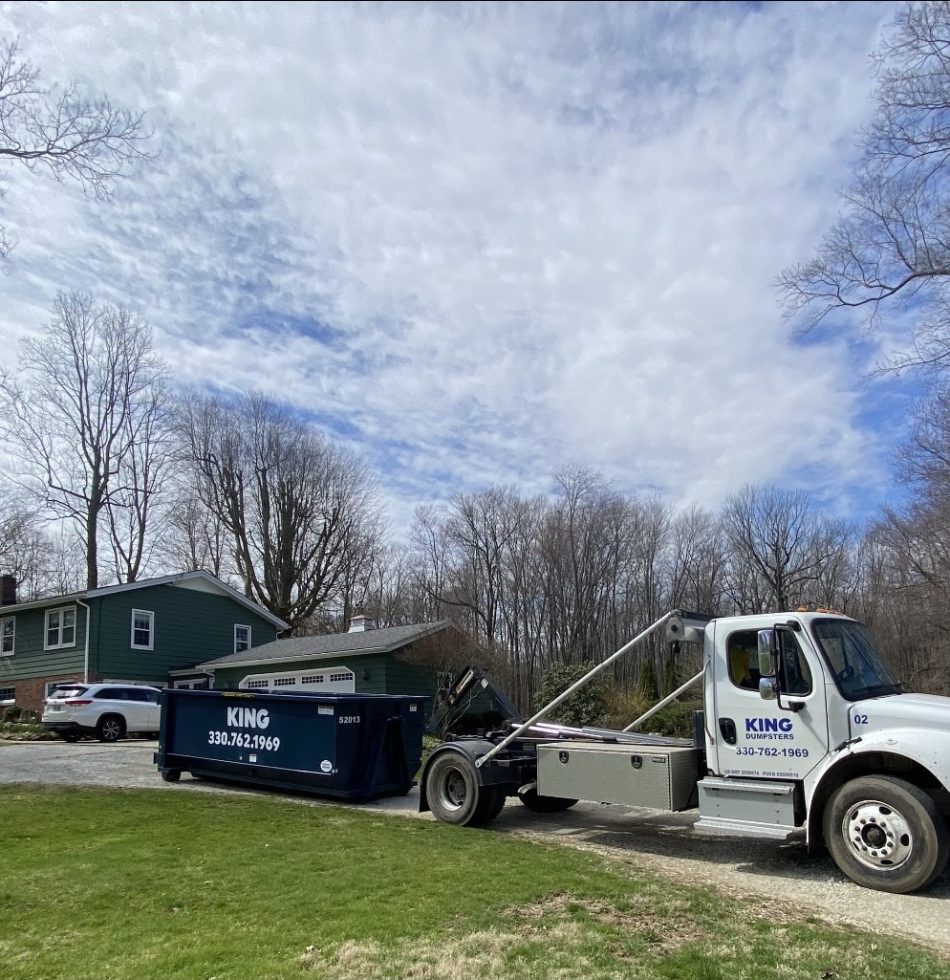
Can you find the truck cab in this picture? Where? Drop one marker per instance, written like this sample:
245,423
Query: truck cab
864,766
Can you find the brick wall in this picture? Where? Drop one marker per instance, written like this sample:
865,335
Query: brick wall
32,692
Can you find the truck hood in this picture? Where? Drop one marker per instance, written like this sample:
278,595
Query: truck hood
901,711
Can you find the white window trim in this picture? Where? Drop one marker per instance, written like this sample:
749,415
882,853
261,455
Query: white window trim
241,626
62,610
151,630
3,623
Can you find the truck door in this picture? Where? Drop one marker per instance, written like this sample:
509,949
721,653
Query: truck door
758,738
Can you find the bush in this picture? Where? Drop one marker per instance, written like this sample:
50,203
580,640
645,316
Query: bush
587,707
625,706
676,719
12,712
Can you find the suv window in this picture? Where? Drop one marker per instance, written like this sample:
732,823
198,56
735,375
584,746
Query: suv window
68,692
153,697
113,694
137,694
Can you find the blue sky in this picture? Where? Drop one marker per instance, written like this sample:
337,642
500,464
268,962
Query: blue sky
481,242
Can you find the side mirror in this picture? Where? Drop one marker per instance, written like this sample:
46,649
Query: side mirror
768,688
768,660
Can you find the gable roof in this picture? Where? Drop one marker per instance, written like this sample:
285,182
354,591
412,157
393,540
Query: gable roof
199,581
328,646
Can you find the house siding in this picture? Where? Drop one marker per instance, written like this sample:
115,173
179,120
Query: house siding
29,659
403,678
189,626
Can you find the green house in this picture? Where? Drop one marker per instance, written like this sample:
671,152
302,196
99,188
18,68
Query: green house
154,631
392,660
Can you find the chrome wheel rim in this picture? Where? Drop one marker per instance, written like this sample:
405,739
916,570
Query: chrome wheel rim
878,836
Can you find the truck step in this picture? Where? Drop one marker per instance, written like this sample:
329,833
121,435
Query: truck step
751,808
747,828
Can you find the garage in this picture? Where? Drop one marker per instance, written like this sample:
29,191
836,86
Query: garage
366,659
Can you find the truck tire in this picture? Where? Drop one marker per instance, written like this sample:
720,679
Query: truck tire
454,793
886,833
544,804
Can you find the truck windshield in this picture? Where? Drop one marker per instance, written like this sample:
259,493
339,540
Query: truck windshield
853,659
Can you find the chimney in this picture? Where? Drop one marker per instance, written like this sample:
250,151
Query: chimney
360,624
7,590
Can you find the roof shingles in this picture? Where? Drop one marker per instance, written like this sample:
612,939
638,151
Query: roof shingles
330,645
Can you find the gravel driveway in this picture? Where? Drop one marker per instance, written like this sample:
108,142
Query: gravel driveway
654,840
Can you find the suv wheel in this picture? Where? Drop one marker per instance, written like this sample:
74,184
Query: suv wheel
110,728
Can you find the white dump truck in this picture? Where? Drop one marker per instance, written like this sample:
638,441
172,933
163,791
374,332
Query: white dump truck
803,733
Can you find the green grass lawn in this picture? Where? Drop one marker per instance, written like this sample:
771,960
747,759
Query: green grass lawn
134,885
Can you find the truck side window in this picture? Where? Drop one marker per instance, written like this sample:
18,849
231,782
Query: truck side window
742,651
796,677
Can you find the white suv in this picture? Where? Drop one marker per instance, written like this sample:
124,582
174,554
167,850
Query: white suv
107,711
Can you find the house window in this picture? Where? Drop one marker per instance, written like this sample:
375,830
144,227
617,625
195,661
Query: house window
257,685
142,629
312,679
7,695
285,682
342,676
242,638
7,636
60,628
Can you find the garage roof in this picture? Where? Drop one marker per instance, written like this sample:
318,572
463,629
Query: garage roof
328,646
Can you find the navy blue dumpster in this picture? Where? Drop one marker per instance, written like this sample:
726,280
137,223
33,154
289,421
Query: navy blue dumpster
350,746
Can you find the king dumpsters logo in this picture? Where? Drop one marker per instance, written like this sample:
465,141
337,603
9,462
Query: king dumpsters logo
768,728
248,718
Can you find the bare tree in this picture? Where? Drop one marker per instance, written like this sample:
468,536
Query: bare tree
587,549
194,538
296,508
62,131
906,555
698,561
378,587
26,552
430,550
143,473
890,245
84,411
782,550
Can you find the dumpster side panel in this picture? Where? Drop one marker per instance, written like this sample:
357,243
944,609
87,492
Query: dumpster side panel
351,746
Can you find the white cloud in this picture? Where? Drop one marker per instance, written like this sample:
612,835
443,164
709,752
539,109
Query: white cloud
497,238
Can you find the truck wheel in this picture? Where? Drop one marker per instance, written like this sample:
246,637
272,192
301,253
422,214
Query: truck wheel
886,833
171,775
544,804
454,793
